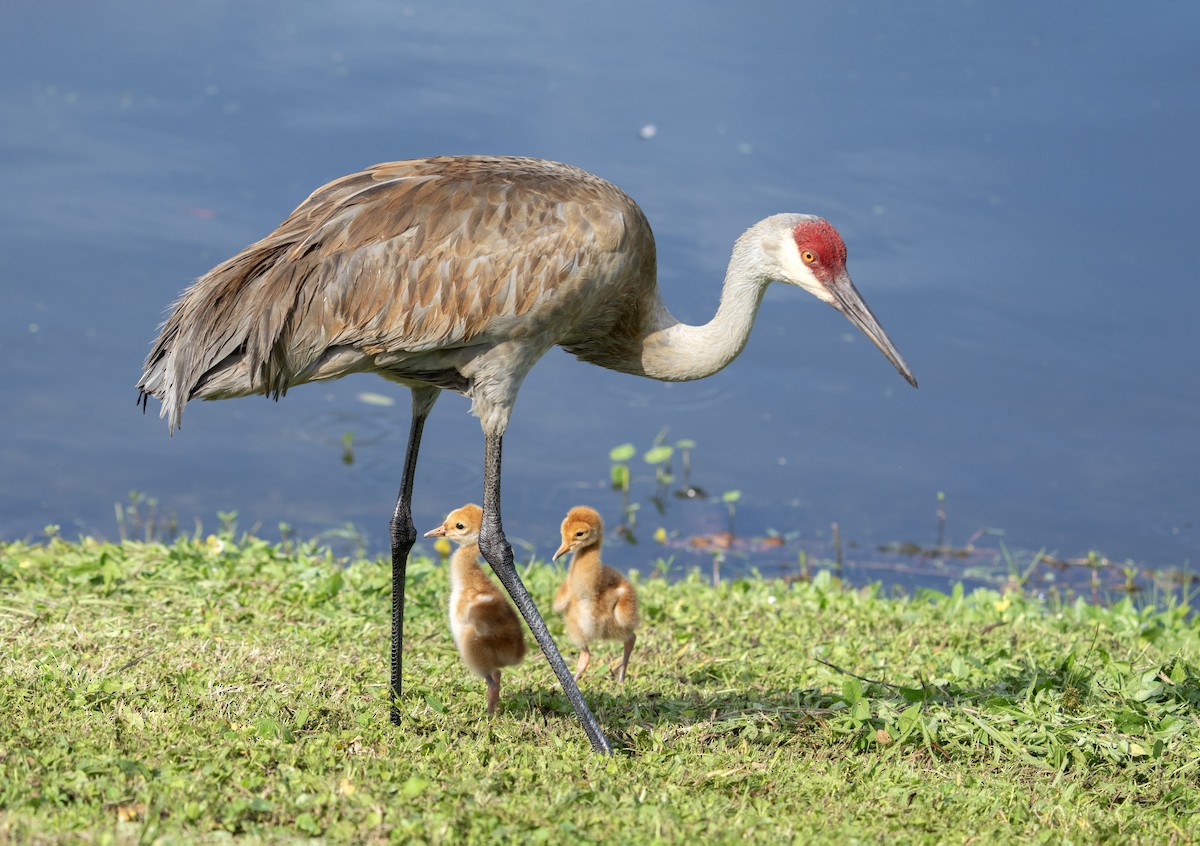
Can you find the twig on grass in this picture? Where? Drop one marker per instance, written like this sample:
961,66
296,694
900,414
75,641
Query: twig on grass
846,672
133,662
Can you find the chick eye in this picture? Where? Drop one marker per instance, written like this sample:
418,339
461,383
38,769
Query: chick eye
459,526
579,534
808,255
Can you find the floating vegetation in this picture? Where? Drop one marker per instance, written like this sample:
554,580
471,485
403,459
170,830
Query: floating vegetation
983,559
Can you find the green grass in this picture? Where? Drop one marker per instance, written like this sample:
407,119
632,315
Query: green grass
191,693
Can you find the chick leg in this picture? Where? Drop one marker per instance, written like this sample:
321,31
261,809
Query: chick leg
581,666
493,691
629,642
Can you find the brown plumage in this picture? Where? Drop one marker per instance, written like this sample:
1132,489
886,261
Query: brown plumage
414,270
460,273
596,601
486,629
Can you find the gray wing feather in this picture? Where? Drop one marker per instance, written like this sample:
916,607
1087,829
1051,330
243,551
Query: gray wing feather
401,258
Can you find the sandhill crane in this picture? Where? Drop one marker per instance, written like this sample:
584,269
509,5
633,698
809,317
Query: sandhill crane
596,601
487,632
458,273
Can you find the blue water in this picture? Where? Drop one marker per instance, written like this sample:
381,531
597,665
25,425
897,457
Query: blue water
1016,185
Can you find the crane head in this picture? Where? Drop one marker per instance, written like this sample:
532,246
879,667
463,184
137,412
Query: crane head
812,256
582,528
461,526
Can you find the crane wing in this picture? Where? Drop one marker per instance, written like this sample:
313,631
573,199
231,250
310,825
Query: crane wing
399,259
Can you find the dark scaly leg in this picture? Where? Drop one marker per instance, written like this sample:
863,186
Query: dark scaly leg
404,535
497,552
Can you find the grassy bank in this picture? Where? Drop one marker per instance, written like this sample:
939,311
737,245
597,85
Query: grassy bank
189,692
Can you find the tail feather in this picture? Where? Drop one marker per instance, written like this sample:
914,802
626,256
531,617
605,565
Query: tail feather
226,336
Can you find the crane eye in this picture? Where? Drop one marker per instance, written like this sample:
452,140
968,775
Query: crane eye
459,526
579,534
808,255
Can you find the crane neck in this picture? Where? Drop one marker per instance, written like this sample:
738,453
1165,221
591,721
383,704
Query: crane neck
585,566
676,352
464,562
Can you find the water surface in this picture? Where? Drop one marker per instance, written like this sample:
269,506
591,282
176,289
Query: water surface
1016,186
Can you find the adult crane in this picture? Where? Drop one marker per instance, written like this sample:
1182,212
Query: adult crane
458,273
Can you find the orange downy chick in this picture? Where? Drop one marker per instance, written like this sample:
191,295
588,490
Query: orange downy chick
596,601
486,628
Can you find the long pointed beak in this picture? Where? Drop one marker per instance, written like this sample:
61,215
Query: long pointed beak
849,302
562,550
439,532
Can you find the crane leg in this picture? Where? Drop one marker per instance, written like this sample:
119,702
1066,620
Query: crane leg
498,553
404,535
585,660
493,691
632,639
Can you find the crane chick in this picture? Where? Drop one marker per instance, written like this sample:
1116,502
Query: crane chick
597,602
486,629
